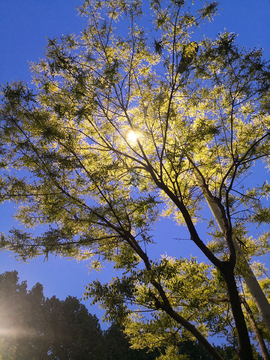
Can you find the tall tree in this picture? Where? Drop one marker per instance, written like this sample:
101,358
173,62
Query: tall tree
33,327
125,127
74,333
21,319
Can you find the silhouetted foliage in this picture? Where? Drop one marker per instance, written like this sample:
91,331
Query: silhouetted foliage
35,327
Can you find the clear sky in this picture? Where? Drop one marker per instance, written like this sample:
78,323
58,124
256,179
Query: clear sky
24,25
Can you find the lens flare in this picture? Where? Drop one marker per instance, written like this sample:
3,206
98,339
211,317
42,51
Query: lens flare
132,136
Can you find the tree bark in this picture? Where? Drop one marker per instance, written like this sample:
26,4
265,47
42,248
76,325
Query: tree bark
245,350
253,286
256,330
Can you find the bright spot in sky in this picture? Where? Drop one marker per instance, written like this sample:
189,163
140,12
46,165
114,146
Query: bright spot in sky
132,136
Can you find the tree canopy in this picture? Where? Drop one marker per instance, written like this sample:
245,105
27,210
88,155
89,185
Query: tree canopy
132,121
35,327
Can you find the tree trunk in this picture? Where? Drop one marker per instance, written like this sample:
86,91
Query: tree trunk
256,330
245,350
253,286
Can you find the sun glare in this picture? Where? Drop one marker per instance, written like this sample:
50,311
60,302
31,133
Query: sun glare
132,137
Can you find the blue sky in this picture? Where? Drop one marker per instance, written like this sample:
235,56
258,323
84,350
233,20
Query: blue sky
24,25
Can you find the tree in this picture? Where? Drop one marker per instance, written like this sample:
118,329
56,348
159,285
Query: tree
33,327
117,135
117,346
21,326
74,333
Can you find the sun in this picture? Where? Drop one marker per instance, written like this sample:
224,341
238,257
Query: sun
132,136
